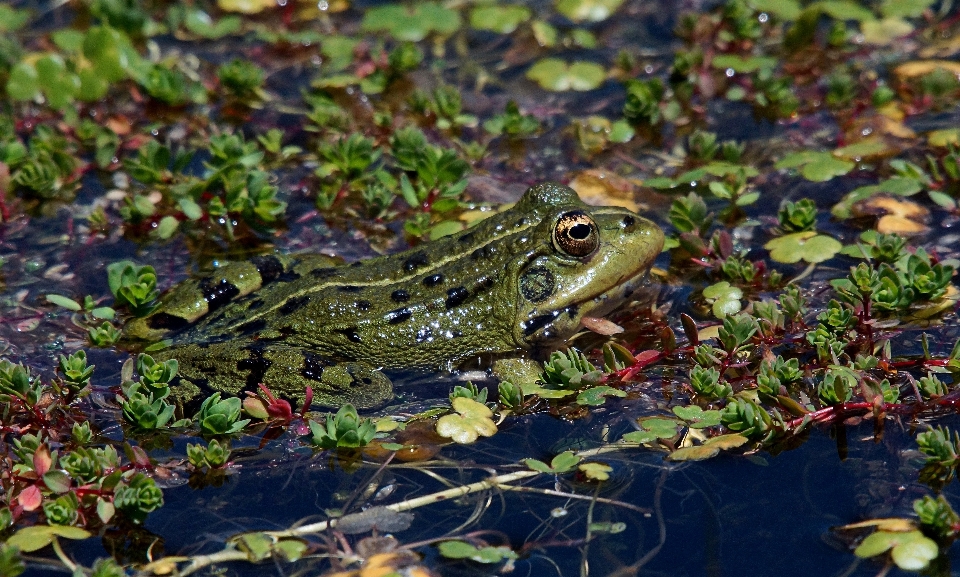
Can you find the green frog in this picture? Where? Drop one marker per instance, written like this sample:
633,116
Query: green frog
518,282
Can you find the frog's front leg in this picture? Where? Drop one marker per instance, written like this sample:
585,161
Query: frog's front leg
286,371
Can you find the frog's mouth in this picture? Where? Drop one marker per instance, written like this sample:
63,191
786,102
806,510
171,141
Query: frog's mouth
557,326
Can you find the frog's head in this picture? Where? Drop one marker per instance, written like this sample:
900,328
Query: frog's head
590,260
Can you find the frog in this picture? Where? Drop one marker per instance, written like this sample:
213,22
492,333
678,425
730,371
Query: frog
516,284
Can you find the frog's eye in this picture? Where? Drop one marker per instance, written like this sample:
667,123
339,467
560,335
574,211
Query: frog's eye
576,234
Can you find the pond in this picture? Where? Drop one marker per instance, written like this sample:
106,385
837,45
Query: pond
776,396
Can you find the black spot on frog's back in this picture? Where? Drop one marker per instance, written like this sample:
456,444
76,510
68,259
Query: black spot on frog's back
400,296
269,267
289,275
255,366
313,365
416,260
254,326
217,294
351,334
324,272
294,304
456,297
398,315
167,321
483,253
433,280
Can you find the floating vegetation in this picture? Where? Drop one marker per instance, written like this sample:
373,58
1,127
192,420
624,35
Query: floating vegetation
802,158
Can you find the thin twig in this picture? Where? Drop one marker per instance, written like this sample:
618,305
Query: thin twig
603,500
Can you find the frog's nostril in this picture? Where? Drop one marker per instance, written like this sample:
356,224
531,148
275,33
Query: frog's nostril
628,222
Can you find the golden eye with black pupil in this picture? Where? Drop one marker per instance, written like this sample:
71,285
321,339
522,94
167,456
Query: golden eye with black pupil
576,234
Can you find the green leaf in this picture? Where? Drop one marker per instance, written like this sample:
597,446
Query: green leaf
109,51
696,417
545,393
825,167
167,227
12,19
200,23
905,8
916,553
607,527
844,10
807,246
695,453
587,10
62,301
910,550
291,549
596,471
943,199
728,441
816,166
621,131
58,84
57,481
103,313
640,437
68,40
867,147
501,19
944,137
559,76
23,83
257,546
105,510
30,539
544,33
445,228
564,462
464,550
595,396
472,419
93,85
411,23
725,299
538,465
786,10
663,427
743,65
886,31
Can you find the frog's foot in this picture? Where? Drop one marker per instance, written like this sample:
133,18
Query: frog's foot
285,371
354,383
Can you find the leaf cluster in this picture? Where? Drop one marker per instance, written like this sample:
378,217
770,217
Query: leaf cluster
345,430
